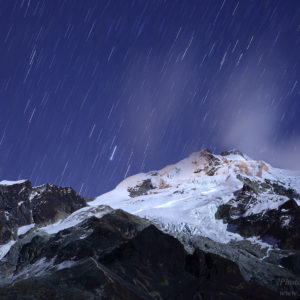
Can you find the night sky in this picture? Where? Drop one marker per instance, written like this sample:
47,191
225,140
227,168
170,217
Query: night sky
93,91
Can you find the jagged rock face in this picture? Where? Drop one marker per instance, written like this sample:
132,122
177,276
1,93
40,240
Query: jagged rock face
51,202
275,226
119,256
15,209
211,163
21,204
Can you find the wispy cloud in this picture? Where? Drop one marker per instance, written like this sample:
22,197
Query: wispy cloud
251,120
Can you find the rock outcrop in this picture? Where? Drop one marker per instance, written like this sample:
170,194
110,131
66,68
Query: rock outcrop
278,226
15,209
141,189
50,202
21,204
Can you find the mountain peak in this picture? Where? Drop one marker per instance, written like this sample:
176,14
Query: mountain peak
199,167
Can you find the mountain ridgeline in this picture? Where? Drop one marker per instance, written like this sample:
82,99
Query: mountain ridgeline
208,227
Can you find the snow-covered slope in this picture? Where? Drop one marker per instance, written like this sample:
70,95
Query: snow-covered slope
185,196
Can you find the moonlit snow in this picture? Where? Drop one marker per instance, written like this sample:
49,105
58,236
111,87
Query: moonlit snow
185,199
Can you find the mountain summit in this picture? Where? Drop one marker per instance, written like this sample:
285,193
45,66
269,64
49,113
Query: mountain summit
209,226
205,193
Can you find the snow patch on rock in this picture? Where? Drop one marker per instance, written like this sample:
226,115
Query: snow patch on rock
8,182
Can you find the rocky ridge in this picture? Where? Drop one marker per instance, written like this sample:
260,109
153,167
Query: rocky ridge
225,227
22,206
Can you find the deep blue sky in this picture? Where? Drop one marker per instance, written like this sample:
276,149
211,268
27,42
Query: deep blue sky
155,79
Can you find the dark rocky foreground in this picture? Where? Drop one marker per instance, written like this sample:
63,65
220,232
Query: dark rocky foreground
119,256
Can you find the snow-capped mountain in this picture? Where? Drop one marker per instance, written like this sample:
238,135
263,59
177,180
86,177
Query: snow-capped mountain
189,194
228,211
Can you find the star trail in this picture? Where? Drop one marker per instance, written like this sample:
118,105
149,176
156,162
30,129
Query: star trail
94,91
